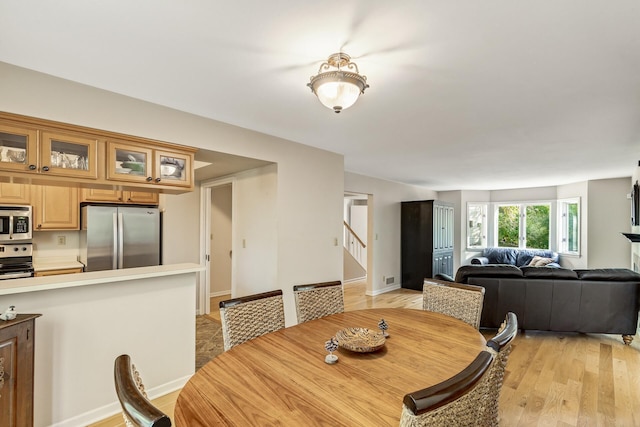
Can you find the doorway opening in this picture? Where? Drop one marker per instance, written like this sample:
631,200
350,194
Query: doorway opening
216,241
358,251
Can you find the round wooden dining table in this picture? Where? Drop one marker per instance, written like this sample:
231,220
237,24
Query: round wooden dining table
281,378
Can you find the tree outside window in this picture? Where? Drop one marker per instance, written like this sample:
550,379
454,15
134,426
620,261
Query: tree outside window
509,226
523,225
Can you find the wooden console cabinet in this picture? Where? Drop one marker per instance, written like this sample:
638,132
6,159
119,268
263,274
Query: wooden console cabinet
17,339
426,241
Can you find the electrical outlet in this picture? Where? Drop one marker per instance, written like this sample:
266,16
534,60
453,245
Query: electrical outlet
62,240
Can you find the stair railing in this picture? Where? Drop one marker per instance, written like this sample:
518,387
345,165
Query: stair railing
354,245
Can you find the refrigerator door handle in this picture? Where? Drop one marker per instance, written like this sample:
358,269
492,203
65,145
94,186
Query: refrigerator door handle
114,254
120,240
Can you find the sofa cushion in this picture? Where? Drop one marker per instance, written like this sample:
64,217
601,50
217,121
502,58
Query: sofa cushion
549,273
500,255
609,274
538,261
524,256
489,270
480,260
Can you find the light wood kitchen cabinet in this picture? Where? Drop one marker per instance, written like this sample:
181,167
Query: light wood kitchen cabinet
55,208
141,197
15,194
69,155
44,152
136,163
18,148
57,272
17,338
118,196
25,149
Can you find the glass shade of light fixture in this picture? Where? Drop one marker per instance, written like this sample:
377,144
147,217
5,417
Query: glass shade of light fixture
338,83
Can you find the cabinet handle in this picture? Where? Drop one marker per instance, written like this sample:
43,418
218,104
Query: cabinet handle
39,225
32,167
149,179
157,179
45,168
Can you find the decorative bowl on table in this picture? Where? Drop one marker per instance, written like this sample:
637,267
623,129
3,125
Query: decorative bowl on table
361,340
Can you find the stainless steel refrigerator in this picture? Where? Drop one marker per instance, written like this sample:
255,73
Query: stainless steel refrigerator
114,237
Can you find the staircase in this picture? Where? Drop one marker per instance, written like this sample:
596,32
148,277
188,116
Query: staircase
355,255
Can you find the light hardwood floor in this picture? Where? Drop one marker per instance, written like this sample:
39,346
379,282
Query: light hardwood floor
551,379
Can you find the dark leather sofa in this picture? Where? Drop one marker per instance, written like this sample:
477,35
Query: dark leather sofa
558,299
514,256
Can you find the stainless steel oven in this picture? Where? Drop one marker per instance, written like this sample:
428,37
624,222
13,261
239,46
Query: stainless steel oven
16,260
15,223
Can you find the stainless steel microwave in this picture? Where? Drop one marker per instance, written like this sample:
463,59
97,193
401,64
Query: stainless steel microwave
15,223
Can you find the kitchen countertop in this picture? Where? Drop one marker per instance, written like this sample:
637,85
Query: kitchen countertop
33,284
55,263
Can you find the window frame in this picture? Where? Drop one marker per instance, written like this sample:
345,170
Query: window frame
522,223
484,225
563,226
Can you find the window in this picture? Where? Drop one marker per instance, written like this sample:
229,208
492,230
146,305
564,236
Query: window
525,225
569,239
476,225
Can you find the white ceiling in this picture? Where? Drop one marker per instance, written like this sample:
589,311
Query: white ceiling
464,94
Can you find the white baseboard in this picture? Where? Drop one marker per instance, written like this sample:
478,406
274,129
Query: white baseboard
220,293
103,412
383,291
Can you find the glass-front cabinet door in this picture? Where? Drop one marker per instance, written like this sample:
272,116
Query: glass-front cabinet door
127,162
68,155
18,148
173,168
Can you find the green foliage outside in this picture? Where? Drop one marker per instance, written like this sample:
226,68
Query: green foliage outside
572,224
508,226
537,228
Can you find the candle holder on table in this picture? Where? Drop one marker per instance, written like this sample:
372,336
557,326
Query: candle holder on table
331,346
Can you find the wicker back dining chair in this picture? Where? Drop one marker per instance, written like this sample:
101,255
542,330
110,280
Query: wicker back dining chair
250,316
454,402
500,347
318,300
137,410
463,302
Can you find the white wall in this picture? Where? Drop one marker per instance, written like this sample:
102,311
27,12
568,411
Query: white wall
384,238
309,181
45,244
180,221
609,216
83,329
255,245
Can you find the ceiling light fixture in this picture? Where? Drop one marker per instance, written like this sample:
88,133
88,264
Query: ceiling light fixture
337,86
